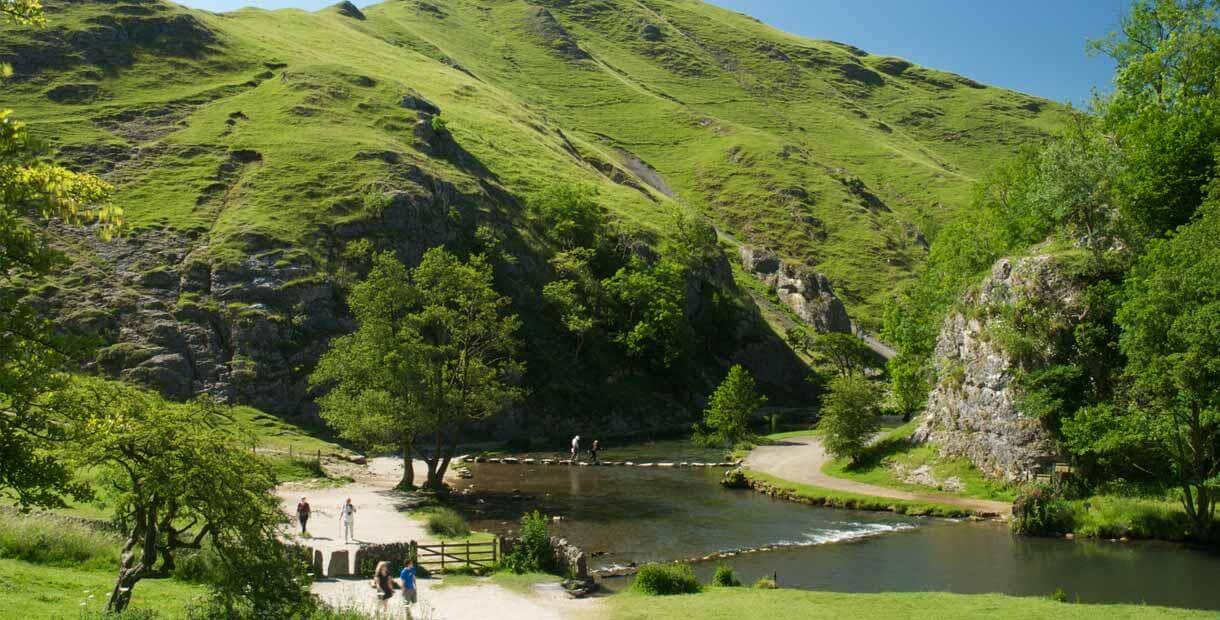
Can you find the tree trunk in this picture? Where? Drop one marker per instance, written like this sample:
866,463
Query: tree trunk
408,469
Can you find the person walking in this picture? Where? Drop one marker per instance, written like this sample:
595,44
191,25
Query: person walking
303,513
384,584
575,448
593,449
406,580
347,516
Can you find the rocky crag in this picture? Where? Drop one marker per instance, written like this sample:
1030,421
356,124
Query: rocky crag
808,293
974,409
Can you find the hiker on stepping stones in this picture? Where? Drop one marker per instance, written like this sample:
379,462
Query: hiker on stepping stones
575,448
347,515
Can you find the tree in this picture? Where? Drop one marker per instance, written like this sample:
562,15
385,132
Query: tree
372,373
726,421
1171,337
571,214
846,352
576,295
34,356
178,475
434,350
849,416
1075,181
650,317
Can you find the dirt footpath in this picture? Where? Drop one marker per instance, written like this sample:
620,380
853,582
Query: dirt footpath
800,459
480,601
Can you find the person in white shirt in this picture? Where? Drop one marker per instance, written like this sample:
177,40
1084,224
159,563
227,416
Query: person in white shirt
347,515
575,448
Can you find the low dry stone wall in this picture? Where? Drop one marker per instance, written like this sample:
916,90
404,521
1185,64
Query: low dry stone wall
508,460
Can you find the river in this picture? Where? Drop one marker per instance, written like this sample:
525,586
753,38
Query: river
625,515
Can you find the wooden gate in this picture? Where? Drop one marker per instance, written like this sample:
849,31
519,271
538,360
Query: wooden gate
436,557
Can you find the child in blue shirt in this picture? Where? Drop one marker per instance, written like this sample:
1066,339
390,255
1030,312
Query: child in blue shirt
406,579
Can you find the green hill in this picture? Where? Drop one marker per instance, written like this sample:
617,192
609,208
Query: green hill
249,148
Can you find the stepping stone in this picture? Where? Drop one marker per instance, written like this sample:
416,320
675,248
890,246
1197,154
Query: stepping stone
548,461
665,464
493,460
648,464
508,460
528,461
629,464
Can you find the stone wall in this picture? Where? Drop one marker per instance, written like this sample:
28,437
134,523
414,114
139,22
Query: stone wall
973,410
566,556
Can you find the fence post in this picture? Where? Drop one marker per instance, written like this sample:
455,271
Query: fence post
442,556
467,553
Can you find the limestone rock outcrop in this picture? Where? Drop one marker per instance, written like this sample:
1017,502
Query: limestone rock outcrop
807,292
973,410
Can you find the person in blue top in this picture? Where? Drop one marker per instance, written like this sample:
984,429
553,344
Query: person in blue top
406,579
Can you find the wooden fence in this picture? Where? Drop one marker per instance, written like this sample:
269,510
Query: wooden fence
436,557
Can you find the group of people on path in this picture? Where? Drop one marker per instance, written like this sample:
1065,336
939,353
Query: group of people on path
347,518
594,448
384,584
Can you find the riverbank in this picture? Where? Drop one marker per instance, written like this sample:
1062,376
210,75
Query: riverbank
793,467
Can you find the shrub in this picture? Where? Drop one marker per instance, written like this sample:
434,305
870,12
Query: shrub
447,522
438,124
58,542
1059,596
735,479
849,416
533,553
766,583
666,579
201,566
1040,511
724,577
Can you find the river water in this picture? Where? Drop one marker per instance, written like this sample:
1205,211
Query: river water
625,515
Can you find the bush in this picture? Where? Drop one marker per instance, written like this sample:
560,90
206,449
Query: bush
666,579
735,479
447,522
57,542
201,566
849,416
766,583
1059,596
724,577
534,551
1040,511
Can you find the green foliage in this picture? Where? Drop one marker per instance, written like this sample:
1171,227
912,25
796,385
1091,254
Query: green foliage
35,357
850,413
434,350
1059,596
847,353
571,214
666,579
439,124
56,542
726,421
724,577
179,475
447,522
1041,511
766,583
1169,322
533,553
650,322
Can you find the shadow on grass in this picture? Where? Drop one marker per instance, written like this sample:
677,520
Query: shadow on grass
874,455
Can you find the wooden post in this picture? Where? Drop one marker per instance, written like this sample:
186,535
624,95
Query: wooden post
442,556
467,553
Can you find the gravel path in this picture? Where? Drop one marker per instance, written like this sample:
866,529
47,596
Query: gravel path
800,459
483,600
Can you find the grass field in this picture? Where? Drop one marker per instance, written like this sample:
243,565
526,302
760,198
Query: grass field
740,603
819,496
39,591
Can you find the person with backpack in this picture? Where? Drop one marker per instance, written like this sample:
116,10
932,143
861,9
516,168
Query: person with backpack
303,513
347,516
593,450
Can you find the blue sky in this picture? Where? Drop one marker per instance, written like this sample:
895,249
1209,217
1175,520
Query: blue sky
1035,46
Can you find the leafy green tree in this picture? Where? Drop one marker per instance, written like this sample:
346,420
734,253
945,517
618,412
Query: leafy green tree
1164,110
571,214
576,295
1075,182
650,317
373,373
726,421
434,350
34,356
799,339
850,416
178,475
1171,336
846,352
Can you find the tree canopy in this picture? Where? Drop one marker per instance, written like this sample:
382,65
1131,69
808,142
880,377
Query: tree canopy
727,418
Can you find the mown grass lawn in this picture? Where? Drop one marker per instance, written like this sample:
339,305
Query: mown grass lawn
741,603
30,591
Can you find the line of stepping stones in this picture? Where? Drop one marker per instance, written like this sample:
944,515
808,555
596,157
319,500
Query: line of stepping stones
508,460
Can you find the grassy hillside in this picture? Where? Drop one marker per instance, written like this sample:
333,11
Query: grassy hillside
250,148
817,149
